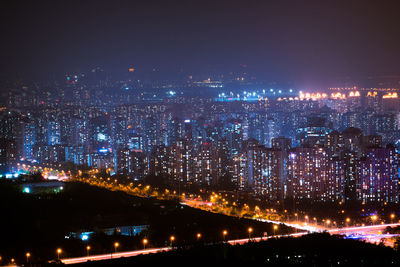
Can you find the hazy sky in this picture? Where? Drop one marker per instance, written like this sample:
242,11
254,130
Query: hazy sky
298,39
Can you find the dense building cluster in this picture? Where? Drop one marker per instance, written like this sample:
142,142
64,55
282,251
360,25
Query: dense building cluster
336,146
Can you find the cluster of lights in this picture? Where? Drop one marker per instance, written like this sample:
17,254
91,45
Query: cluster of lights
253,94
390,95
354,94
313,96
338,95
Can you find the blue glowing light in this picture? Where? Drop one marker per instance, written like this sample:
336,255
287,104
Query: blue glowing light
26,190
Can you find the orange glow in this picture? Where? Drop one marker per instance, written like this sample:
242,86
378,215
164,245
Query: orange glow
390,95
131,69
338,96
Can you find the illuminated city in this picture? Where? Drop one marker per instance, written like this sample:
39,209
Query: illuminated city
129,139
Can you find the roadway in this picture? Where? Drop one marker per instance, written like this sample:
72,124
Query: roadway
133,253
114,255
361,231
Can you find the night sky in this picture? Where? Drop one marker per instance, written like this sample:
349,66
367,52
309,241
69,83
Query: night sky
277,40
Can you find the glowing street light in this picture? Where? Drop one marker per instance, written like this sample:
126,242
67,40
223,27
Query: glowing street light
275,228
374,218
198,236
27,256
145,241
116,245
392,216
328,222
250,230
347,221
224,233
59,252
87,250
172,239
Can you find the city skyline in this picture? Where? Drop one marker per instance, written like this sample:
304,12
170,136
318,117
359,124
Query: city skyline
253,132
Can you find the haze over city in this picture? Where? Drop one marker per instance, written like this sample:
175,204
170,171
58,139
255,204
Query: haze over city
312,43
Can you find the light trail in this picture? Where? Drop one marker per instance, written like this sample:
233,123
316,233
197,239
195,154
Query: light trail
116,255
133,253
295,225
358,229
363,228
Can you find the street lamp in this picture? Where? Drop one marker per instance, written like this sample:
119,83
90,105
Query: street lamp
275,228
58,253
116,245
347,221
392,216
27,256
145,241
224,233
198,236
87,249
374,218
250,230
328,222
172,239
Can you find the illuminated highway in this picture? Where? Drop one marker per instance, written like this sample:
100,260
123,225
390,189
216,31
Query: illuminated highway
114,255
362,229
359,232
133,253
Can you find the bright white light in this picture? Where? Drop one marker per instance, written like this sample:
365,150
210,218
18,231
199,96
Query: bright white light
101,137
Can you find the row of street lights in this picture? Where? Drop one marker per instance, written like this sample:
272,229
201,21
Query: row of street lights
145,242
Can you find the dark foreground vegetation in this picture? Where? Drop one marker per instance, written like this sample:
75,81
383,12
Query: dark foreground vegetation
39,223
310,250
